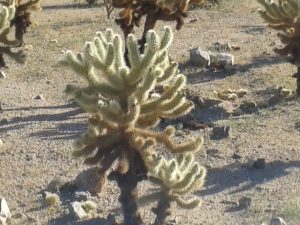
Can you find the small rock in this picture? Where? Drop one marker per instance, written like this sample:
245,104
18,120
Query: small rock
202,58
4,211
91,180
244,203
83,210
249,107
259,164
2,75
179,126
51,199
198,57
237,112
39,97
220,132
193,20
221,59
1,143
277,221
81,196
285,92
272,44
53,41
236,156
60,184
3,121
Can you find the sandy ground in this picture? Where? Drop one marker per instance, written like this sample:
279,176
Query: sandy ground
38,134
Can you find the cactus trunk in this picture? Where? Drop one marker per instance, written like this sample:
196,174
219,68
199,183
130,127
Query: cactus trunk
128,186
162,211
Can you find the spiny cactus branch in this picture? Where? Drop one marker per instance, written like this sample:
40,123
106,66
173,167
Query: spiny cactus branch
124,108
284,16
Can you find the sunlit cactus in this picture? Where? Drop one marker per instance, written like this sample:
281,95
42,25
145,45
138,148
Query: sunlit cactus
124,107
176,177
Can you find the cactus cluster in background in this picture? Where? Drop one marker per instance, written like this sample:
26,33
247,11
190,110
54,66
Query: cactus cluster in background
22,21
7,13
124,107
17,14
284,16
154,10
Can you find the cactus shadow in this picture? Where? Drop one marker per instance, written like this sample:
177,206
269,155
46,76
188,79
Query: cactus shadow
71,6
254,30
68,220
236,178
68,114
259,62
196,75
65,131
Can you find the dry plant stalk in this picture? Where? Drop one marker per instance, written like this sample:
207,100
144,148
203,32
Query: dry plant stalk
109,7
124,109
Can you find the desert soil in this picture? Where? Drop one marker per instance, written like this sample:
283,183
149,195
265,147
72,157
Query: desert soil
37,134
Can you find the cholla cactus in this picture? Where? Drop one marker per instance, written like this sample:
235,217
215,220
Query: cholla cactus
22,21
284,16
154,10
124,107
176,177
7,13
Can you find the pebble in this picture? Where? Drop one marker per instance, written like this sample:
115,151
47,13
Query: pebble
220,132
277,221
5,213
82,196
244,203
259,163
83,210
55,185
90,180
2,75
39,97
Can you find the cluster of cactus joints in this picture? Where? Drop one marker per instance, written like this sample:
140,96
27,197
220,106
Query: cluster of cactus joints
124,107
22,21
154,10
7,13
284,17
176,177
